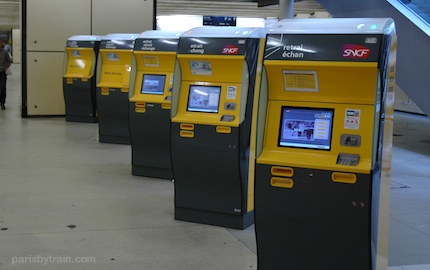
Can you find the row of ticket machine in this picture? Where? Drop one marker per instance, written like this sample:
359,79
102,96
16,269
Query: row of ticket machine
281,127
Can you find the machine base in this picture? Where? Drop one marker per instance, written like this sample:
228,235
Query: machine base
114,139
214,218
316,224
152,172
82,119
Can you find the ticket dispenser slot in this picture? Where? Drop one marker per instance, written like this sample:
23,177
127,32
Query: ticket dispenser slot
227,118
348,159
113,83
79,80
212,98
318,132
154,56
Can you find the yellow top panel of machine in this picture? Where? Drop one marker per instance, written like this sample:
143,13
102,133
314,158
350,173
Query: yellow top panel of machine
154,77
115,68
80,63
116,58
80,57
155,57
213,79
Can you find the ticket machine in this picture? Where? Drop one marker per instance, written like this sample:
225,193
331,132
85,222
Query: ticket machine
319,144
113,75
149,110
79,81
212,97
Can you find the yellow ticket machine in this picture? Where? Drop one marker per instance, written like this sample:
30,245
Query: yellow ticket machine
211,118
149,109
79,81
113,75
319,144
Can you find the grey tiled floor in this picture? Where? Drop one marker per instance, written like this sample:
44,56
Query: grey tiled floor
54,174
409,241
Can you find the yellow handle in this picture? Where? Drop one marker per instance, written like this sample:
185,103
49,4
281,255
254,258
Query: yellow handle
186,134
140,104
347,178
282,171
105,91
69,80
166,106
187,126
84,79
225,130
140,110
282,182
124,90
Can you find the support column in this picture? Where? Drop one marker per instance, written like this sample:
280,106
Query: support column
286,9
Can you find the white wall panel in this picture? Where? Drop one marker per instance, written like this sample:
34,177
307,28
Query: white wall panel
127,16
16,45
45,83
16,54
51,22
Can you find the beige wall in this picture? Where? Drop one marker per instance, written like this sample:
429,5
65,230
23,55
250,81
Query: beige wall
51,22
48,31
126,16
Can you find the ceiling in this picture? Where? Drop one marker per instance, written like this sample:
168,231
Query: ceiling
10,9
231,8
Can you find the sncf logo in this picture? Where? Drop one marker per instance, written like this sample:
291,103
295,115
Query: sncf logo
355,51
230,49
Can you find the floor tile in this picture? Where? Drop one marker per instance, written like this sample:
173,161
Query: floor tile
407,246
159,248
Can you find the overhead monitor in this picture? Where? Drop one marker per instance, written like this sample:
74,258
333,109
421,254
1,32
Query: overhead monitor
219,20
306,128
202,98
153,84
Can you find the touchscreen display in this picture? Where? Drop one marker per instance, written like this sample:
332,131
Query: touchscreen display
306,128
153,84
203,98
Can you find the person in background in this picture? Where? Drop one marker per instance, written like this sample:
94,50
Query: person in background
7,48
4,65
